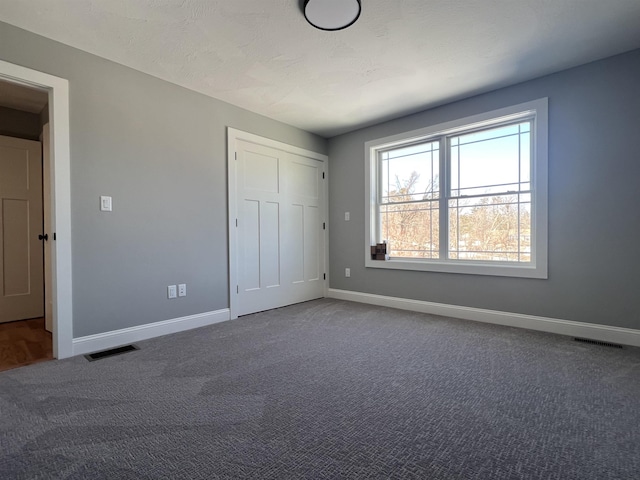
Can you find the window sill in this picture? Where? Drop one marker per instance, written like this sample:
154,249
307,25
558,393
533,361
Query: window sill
466,268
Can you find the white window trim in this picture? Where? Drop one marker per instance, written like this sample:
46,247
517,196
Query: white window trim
538,266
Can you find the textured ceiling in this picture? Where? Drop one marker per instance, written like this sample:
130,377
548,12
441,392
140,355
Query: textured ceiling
400,57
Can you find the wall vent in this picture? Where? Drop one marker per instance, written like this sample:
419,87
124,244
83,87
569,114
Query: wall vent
92,357
597,342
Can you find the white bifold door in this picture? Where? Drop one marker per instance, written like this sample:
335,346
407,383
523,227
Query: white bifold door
280,233
21,251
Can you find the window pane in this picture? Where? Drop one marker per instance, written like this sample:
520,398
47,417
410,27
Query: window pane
495,160
410,174
525,158
525,228
454,231
411,230
508,188
489,134
409,150
454,162
490,162
495,228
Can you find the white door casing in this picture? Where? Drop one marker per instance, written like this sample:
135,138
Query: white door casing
61,271
48,228
277,215
21,251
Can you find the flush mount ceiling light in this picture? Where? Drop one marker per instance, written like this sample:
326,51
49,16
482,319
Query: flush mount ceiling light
331,14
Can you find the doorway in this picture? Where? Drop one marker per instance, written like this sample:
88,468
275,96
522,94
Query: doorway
24,338
57,204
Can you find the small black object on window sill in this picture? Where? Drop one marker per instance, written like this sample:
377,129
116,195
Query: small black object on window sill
379,251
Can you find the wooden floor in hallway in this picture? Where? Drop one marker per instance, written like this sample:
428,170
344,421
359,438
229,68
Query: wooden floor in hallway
24,342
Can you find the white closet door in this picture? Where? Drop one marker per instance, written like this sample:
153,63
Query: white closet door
280,228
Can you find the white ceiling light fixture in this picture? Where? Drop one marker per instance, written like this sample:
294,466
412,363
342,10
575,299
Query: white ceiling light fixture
331,15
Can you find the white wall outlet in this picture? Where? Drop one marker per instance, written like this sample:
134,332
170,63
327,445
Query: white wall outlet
106,205
347,216
171,291
347,272
182,290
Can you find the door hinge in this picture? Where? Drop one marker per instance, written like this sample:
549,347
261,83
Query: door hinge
54,235
325,276
324,226
235,155
322,174
236,222
237,288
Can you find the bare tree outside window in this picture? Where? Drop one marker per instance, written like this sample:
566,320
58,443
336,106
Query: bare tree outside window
412,227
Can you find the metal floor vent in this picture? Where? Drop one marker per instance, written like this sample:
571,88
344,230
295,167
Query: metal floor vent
597,342
92,357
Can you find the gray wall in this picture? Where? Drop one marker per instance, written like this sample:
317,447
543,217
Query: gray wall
16,123
594,196
160,151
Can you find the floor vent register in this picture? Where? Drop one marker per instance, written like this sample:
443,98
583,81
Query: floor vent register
92,357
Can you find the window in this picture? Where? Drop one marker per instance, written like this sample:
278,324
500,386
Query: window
468,196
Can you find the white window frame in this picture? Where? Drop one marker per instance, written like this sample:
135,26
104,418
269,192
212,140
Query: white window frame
537,112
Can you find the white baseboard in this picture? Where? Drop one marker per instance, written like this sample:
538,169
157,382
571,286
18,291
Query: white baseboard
604,333
116,338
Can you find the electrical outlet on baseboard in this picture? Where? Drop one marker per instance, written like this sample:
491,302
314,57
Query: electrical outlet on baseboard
347,272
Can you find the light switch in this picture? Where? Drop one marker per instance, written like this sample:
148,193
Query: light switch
105,204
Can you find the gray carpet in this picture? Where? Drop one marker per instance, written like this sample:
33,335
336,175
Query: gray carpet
330,389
